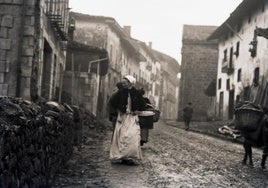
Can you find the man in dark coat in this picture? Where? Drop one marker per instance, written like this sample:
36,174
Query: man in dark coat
187,115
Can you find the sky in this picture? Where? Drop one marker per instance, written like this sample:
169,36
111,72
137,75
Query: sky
159,21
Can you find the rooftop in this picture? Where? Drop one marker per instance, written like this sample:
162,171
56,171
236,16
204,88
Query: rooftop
197,32
243,10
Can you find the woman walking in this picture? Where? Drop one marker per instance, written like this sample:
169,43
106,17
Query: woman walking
125,146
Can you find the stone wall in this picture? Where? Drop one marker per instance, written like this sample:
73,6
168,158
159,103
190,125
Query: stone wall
10,25
23,28
36,140
199,68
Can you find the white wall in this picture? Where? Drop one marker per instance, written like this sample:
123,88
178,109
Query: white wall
244,61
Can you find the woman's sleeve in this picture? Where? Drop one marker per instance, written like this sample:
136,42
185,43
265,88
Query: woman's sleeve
142,103
147,100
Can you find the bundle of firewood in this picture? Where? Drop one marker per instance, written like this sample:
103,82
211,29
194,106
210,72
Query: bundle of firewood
35,141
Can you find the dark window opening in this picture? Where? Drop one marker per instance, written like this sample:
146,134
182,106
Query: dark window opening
256,76
237,49
225,55
239,75
231,58
219,83
46,71
227,84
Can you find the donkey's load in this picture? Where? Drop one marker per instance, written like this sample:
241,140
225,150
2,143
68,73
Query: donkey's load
248,116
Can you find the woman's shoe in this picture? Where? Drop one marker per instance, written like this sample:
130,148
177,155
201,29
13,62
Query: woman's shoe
130,162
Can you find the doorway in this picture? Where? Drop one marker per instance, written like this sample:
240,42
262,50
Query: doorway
47,65
221,106
231,104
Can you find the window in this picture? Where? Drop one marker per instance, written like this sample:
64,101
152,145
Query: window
239,75
225,55
256,76
237,49
219,83
227,84
231,58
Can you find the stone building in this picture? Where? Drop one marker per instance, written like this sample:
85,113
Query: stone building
126,56
123,53
166,86
85,66
148,69
198,69
242,64
32,47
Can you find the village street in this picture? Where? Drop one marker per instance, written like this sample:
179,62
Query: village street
172,158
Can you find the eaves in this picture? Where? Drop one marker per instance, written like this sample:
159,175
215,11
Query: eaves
244,10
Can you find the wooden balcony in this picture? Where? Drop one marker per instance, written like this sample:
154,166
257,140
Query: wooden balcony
57,24
226,68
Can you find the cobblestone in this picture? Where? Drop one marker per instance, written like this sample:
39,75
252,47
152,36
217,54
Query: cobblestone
172,158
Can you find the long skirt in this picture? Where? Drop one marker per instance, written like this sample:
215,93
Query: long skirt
126,138
144,135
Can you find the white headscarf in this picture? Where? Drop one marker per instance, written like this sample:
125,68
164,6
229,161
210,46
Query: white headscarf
131,79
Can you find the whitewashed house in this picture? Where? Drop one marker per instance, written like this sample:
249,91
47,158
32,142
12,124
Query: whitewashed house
243,56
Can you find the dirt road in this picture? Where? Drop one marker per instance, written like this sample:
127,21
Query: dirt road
172,158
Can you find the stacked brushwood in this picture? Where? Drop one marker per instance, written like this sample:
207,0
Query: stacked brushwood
35,141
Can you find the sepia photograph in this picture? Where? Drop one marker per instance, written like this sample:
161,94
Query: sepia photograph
133,94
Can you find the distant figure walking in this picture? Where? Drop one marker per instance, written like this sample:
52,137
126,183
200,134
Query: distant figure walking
187,115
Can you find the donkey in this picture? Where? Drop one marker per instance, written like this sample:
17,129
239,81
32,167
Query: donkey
257,138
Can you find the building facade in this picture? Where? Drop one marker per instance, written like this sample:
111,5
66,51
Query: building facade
85,65
147,71
126,56
242,64
123,54
166,85
198,69
33,37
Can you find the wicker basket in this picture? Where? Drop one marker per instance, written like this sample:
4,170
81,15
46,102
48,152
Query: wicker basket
156,116
247,119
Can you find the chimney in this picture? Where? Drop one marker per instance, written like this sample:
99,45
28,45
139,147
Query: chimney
150,45
71,28
127,29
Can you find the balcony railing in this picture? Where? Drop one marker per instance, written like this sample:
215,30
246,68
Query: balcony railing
226,68
58,15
